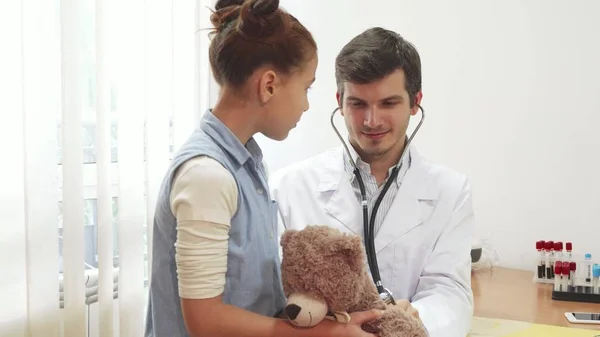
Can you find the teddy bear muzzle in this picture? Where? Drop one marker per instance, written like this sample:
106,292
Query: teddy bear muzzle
305,311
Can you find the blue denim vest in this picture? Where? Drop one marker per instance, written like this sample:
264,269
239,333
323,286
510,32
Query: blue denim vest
253,278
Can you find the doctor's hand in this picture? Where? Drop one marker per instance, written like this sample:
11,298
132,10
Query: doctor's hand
353,328
405,305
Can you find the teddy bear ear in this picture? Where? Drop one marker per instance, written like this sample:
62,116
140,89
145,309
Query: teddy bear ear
287,236
351,247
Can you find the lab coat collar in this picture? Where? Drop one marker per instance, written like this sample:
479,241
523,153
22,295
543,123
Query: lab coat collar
333,174
405,213
365,168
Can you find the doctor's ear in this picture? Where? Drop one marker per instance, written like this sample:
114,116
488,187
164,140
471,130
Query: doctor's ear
339,97
415,107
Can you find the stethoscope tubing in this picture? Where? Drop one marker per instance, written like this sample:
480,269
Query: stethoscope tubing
368,224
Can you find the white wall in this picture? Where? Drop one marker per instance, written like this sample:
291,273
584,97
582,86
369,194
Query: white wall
512,95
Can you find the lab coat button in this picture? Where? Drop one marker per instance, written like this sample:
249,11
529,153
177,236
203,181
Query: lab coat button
259,190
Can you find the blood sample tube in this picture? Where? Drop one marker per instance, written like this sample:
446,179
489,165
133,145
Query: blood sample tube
557,275
596,271
572,269
569,249
549,260
588,272
566,275
588,268
558,250
541,268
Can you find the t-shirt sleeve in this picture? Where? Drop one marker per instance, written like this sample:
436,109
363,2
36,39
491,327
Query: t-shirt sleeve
203,200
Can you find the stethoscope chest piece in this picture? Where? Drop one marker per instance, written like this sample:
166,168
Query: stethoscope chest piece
387,297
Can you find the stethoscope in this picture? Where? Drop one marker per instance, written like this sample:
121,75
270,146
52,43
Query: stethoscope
385,294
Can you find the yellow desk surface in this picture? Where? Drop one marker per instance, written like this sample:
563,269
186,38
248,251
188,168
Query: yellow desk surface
509,304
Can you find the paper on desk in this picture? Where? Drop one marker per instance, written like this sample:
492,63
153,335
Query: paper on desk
488,327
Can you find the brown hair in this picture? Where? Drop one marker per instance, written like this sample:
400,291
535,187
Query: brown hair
251,33
374,54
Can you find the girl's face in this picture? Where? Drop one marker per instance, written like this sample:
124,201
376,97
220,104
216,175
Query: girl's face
287,100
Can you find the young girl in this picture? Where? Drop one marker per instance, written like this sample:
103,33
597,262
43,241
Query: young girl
215,263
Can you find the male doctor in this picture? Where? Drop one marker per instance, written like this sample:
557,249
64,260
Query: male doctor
424,224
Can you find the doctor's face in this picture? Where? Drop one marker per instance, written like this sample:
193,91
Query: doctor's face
377,115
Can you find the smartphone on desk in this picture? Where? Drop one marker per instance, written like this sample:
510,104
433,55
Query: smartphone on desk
583,317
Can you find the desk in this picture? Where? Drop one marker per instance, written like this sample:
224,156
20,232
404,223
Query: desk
511,294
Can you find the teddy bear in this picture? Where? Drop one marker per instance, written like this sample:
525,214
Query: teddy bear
324,276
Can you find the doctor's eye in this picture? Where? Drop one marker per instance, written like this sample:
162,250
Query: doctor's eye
390,104
357,105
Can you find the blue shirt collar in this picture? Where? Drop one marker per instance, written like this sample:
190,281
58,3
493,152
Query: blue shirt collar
215,128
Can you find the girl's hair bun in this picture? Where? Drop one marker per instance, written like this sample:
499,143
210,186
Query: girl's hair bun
255,19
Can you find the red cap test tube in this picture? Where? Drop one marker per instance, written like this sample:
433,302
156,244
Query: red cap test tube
541,272
557,275
558,246
569,250
566,268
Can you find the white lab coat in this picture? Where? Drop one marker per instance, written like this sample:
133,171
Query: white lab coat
424,244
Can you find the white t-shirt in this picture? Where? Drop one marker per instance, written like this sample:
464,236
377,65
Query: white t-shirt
203,199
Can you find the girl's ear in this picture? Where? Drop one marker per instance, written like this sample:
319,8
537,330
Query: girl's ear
267,83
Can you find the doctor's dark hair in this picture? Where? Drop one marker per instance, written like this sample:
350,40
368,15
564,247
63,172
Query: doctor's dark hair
374,54
249,34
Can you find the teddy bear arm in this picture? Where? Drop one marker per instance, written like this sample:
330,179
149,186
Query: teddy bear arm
368,304
369,299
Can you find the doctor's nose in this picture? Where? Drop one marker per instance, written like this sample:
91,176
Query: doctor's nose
372,119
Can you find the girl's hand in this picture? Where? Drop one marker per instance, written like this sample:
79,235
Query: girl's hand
353,328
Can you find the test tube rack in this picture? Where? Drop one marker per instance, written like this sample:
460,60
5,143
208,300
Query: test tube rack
575,287
573,277
575,297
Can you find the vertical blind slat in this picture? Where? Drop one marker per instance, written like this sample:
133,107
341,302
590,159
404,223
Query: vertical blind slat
13,317
103,163
183,78
73,204
130,80
159,99
41,73
203,70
